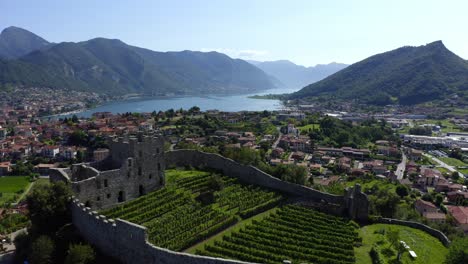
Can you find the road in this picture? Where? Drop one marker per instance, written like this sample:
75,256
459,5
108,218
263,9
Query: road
443,164
400,172
278,139
11,247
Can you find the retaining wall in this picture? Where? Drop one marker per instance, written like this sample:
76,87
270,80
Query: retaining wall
128,242
434,232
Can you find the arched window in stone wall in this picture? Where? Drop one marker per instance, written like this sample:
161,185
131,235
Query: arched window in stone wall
139,171
141,190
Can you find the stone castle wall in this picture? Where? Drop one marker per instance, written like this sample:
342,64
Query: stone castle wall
354,204
127,242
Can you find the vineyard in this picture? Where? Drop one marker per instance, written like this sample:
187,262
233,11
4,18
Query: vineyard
193,206
293,233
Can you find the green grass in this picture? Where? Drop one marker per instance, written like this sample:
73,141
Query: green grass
12,187
446,125
428,248
13,184
173,174
444,171
373,184
308,127
453,162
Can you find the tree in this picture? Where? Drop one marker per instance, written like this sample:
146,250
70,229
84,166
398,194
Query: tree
194,110
401,190
439,199
458,251
455,176
78,138
42,250
22,243
75,119
47,206
80,254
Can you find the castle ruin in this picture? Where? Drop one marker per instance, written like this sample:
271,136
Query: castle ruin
134,167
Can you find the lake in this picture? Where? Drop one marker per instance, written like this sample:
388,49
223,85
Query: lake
227,103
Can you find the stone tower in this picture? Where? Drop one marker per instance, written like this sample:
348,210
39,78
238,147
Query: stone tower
134,167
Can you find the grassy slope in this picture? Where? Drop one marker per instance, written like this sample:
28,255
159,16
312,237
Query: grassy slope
453,162
9,186
428,248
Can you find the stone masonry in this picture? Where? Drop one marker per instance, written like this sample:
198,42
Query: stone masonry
134,167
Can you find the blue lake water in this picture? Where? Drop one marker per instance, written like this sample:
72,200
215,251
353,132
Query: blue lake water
228,103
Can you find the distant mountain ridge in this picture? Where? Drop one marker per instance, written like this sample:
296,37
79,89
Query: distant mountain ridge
407,75
297,76
110,66
16,42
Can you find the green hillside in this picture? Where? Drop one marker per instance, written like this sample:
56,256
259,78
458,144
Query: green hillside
110,66
408,75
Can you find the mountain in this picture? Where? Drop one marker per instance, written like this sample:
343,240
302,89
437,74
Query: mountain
112,67
16,42
296,76
408,75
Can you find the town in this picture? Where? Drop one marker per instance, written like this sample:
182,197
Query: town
307,148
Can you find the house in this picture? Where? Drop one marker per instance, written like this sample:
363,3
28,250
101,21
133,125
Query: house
460,214
277,152
424,207
298,156
457,197
3,133
388,151
5,168
437,217
68,153
415,154
428,177
50,151
344,163
44,169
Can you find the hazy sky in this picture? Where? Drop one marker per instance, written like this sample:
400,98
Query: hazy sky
306,32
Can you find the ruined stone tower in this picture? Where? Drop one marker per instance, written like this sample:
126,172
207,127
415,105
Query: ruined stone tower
134,167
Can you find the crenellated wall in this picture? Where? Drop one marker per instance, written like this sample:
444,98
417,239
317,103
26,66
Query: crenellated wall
354,204
127,242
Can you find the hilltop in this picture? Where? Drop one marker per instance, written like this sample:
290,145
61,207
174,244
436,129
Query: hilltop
16,42
407,75
109,66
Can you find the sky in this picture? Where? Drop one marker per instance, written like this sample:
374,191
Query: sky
306,32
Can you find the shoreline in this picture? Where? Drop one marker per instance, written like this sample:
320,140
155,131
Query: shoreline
124,99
